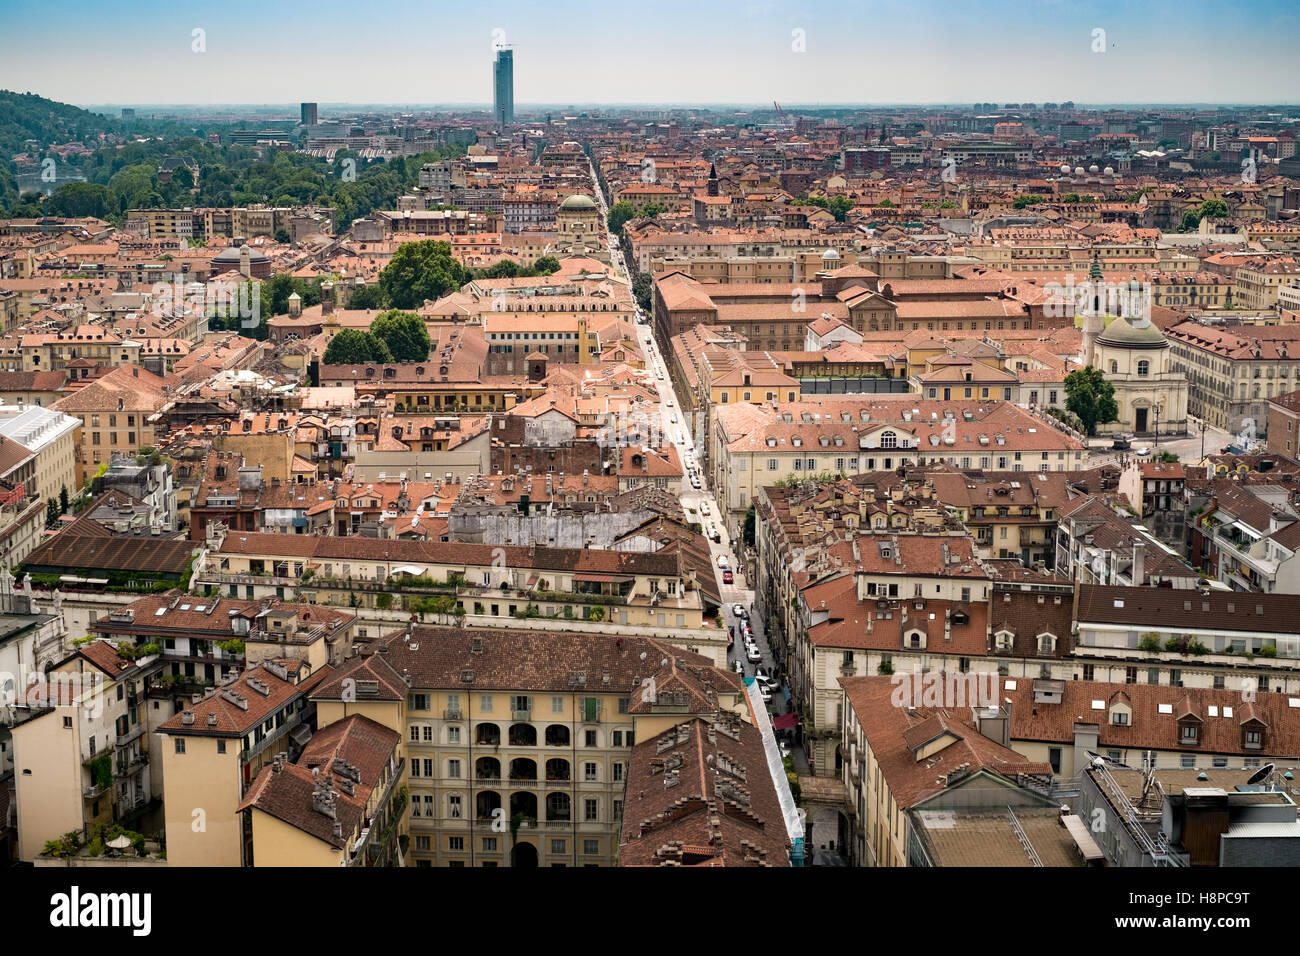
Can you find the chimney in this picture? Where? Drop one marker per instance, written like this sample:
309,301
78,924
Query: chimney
246,262
327,298
1139,564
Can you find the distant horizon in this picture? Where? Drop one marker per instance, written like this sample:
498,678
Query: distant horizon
486,106
837,53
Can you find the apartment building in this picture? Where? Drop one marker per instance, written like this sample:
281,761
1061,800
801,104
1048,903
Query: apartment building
1249,536
1233,371
517,743
1065,723
340,804
1284,425
754,446
82,756
521,340
634,588
909,600
913,774
116,412
1260,280
213,750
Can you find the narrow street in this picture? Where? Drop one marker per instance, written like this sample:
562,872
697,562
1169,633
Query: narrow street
700,505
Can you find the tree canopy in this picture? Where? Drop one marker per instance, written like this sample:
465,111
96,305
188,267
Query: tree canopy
419,271
352,347
1091,398
620,213
404,334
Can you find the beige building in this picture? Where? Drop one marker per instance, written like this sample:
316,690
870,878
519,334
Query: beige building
517,743
116,414
340,804
82,756
212,751
754,446
1135,357
639,589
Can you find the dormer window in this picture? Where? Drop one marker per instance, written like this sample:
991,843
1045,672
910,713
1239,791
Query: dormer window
1003,640
888,439
1046,643
1189,733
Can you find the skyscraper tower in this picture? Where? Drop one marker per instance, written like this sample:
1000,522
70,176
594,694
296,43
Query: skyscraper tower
308,114
503,87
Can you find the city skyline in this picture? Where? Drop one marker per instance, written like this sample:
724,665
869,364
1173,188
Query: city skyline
736,52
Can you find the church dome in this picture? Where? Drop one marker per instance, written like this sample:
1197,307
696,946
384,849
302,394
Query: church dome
576,203
1138,334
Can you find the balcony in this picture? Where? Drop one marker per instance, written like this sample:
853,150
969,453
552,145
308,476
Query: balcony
135,733
94,791
452,713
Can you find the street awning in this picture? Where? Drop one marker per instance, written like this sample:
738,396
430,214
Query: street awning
785,721
411,569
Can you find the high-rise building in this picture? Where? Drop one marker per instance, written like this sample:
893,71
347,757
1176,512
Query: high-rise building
128,114
309,117
503,87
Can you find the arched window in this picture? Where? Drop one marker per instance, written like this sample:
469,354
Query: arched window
1144,367
888,440
1114,367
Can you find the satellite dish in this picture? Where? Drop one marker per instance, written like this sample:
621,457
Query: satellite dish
1260,775
643,655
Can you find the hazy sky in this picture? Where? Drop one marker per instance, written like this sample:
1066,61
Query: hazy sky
666,51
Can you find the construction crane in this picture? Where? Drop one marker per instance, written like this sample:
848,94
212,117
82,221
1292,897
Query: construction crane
781,115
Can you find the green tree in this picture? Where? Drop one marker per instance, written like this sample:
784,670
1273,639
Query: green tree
1089,396
1191,221
404,333
840,206
886,204
1027,199
546,265
282,235
81,199
1214,209
63,500
419,271
747,534
353,347
52,513
643,287
366,297
620,213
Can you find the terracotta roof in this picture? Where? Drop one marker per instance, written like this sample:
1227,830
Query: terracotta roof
701,794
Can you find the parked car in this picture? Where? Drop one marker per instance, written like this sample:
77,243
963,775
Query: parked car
728,577
1143,450
722,561
764,693
785,749
739,611
763,677
715,534
752,654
